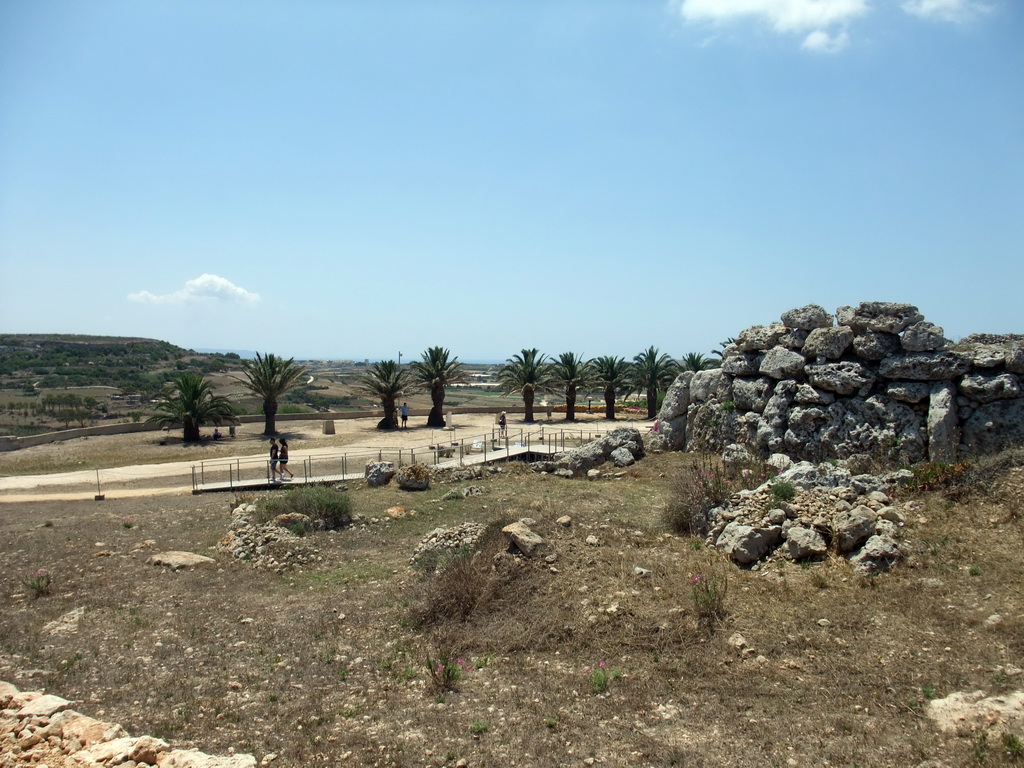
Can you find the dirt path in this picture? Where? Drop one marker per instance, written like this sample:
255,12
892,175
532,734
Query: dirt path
352,436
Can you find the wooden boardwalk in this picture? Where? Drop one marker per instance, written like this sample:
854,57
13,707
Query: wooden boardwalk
254,474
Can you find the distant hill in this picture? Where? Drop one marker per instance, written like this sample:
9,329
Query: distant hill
245,354
138,365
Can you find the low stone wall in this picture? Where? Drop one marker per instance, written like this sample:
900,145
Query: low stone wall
875,381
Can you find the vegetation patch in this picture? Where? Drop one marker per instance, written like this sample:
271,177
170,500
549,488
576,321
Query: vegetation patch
327,508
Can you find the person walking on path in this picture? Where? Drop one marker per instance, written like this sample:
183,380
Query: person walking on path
502,424
275,454
283,460
405,415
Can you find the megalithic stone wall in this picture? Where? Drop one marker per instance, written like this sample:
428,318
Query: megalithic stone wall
875,380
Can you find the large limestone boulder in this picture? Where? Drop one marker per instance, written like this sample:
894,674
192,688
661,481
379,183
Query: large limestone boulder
523,538
879,553
988,388
414,477
884,316
943,426
759,337
743,363
379,473
752,394
746,544
672,416
807,318
782,363
876,346
853,527
808,395
844,378
908,391
965,713
994,426
581,460
804,474
830,343
803,543
707,384
177,560
923,337
193,758
925,366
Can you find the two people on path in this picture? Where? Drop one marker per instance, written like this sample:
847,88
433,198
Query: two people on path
279,460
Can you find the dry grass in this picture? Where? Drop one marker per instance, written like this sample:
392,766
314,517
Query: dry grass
323,663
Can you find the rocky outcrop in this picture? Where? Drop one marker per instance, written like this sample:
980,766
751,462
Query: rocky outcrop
830,510
414,477
379,473
445,542
622,447
876,381
966,713
42,729
270,546
522,537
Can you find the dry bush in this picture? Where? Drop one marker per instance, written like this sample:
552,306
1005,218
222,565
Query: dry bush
694,491
469,584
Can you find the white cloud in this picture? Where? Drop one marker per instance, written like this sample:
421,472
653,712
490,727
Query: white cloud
202,288
945,10
782,15
821,41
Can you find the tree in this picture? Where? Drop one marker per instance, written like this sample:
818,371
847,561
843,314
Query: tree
653,372
696,361
434,373
68,407
614,374
270,378
573,373
191,403
385,380
527,374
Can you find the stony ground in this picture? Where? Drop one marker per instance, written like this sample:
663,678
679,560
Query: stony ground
577,661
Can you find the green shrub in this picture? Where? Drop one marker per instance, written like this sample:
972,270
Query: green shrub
602,677
326,508
781,491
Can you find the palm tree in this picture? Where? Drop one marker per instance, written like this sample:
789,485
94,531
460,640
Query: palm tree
574,373
696,361
190,402
385,380
269,378
434,373
527,374
615,375
653,372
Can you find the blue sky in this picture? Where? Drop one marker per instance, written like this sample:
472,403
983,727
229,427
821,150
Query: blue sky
353,179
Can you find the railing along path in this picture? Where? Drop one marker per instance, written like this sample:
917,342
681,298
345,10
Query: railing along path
498,445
